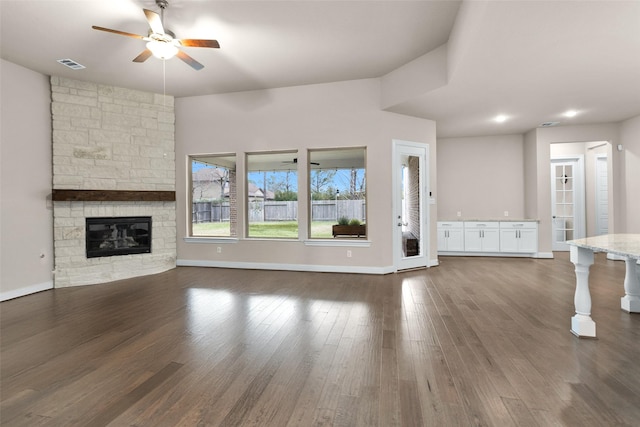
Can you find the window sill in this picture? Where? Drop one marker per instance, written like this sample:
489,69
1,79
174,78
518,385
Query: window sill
211,239
338,242
354,243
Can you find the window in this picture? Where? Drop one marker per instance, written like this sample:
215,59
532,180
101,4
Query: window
337,190
272,195
213,195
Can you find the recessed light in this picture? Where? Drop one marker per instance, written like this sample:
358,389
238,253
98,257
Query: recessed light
570,113
501,118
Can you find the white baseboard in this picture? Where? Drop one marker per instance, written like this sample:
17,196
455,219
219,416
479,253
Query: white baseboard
545,255
15,293
497,254
286,267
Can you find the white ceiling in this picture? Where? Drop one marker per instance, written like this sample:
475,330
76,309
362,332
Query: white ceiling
529,60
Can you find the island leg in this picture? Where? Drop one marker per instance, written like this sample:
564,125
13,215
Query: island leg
581,324
631,301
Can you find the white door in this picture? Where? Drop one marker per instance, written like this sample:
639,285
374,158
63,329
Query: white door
602,195
567,201
410,214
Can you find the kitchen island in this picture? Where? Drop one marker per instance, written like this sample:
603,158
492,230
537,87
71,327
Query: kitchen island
626,246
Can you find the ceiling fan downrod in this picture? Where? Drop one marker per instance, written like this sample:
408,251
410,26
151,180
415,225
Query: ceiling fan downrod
162,4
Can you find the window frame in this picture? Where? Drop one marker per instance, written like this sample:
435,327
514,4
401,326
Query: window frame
232,159
336,164
279,158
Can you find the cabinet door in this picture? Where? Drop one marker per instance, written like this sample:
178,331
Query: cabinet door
491,240
509,240
472,240
528,241
455,241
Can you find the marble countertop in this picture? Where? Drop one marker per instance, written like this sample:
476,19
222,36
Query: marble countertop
626,245
489,220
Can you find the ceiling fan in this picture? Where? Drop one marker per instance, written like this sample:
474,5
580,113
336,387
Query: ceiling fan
295,162
162,43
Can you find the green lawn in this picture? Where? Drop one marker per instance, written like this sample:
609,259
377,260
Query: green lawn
278,229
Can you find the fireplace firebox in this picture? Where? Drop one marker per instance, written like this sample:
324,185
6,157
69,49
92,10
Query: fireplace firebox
118,236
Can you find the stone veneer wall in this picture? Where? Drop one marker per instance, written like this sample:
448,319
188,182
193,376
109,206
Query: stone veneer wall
109,138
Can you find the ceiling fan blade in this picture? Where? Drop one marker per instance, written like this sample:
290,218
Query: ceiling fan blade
143,56
155,22
189,60
122,33
199,43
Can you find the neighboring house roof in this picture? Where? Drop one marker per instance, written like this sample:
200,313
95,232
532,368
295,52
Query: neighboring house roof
206,184
255,191
205,188
208,174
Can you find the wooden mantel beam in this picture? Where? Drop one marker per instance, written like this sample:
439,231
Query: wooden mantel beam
112,196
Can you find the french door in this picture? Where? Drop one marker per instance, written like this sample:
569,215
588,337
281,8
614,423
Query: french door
567,201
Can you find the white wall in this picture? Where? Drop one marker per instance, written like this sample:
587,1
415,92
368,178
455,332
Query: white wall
26,230
530,152
467,166
630,168
581,133
343,114
481,177
588,151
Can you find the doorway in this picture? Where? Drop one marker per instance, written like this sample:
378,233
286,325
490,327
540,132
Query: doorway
602,195
567,201
410,213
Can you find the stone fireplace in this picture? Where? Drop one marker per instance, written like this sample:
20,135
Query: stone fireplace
113,158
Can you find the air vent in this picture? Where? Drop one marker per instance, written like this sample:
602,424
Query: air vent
548,124
71,64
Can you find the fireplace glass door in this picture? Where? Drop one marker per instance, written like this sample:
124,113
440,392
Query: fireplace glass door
118,236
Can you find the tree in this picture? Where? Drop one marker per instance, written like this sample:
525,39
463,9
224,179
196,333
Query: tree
282,181
356,184
286,195
321,183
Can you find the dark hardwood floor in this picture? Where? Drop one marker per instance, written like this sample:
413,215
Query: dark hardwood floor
475,341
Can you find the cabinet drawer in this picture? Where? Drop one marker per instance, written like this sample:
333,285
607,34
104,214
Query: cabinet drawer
510,225
480,225
450,224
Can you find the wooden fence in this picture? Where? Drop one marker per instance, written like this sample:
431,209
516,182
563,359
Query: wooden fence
210,212
270,210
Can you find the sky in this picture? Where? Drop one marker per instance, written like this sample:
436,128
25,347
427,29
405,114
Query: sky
341,180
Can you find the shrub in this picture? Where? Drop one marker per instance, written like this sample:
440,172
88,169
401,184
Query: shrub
343,220
355,221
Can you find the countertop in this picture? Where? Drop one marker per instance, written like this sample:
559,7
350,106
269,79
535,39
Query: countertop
489,220
626,245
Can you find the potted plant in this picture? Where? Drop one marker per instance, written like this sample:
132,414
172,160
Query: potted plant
349,227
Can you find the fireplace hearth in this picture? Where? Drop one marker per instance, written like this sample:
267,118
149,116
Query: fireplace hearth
114,236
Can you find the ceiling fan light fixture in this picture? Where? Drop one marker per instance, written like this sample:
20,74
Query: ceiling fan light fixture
162,49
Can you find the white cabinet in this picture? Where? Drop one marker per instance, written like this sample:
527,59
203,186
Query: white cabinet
519,237
488,238
451,236
481,236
